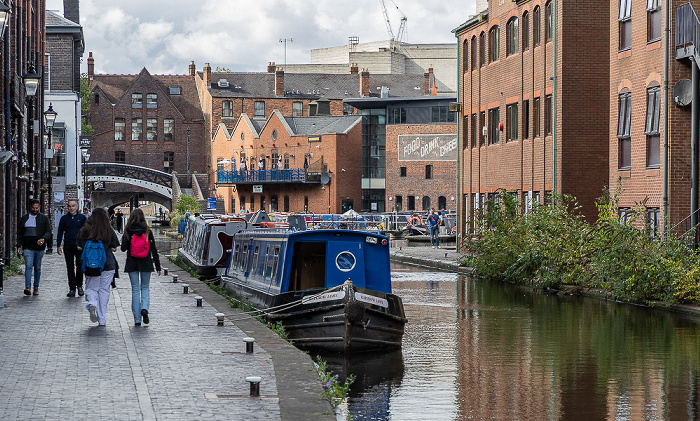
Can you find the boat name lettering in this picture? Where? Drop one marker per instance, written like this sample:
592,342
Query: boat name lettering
329,296
371,299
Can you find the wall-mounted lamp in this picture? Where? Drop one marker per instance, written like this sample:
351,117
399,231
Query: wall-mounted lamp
342,170
391,198
31,81
50,116
452,198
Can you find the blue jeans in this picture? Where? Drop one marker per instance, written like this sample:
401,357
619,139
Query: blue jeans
140,298
32,260
434,237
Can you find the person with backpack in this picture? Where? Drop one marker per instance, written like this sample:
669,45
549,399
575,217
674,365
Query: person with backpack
141,254
98,241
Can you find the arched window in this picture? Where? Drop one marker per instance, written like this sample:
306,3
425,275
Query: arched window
651,128
442,202
465,56
536,26
494,42
623,130
512,36
548,22
426,203
482,49
474,65
526,31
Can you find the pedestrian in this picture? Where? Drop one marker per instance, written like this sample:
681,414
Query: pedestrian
120,221
261,164
141,254
434,227
279,162
86,212
33,231
69,226
98,229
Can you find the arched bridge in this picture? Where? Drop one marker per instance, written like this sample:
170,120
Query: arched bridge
160,185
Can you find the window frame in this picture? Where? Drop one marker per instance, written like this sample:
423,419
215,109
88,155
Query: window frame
512,36
168,135
119,157
548,115
494,44
465,56
136,100
175,90
537,121
429,171
624,161
473,131
396,115
494,120
227,111
297,109
119,122
168,162
526,119
654,21
525,38
152,129
652,127
548,22
475,55
482,125
259,109
482,49
624,19
536,26
137,129
512,122
402,171
151,100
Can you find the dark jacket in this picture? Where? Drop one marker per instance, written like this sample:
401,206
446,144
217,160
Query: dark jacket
70,225
43,230
111,263
144,264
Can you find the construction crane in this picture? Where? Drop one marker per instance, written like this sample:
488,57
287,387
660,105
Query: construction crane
402,26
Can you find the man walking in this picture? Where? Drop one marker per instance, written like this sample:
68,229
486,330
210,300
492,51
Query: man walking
434,227
33,231
69,226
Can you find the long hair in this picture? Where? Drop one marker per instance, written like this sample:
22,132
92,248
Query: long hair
97,227
137,217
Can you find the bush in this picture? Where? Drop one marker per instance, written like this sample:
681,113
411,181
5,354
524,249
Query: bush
185,204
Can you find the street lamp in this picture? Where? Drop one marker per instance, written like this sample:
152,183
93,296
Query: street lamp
86,159
31,84
49,119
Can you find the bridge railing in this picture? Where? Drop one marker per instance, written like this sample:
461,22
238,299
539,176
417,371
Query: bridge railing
256,176
111,169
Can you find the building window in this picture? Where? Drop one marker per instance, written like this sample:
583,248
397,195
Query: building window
653,222
286,161
482,49
623,131
260,109
220,164
151,129
548,114
526,119
482,126
652,126
511,122
242,203
347,109
119,129
442,114
227,109
168,129
136,100
120,157
428,172
426,203
398,203
465,56
151,100
526,31
306,203
411,205
474,127
397,115
512,36
175,90
624,214
536,28
57,164
168,162
474,65
536,131
494,119
548,22
97,98
624,19
136,129
402,171
654,16
275,158
494,41
298,109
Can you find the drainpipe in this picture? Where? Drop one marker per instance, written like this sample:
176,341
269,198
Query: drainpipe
460,205
667,58
554,106
8,164
694,146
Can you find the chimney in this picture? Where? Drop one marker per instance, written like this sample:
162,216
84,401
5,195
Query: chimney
426,83
482,6
192,68
271,67
207,75
71,10
279,81
91,67
433,88
353,68
364,83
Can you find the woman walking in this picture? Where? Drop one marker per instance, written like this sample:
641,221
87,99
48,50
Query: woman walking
140,246
97,229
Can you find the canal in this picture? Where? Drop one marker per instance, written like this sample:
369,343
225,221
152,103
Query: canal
475,349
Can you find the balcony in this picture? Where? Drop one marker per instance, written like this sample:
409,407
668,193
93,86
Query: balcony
299,175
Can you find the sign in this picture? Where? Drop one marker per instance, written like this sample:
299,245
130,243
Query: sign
314,138
371,299
98,185
257,188
85,142
427,147
329,296
211,203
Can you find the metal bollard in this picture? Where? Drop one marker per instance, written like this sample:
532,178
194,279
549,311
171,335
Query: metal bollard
254,386
220,318
185,289
199,300
445,254
165,271
174,278
249,342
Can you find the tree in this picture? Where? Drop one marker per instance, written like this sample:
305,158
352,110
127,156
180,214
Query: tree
85,99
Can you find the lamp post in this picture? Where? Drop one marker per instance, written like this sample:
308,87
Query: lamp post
31,84
189,182
4,13
49,120
86,159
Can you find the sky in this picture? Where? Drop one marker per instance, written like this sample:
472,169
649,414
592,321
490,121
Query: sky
242,35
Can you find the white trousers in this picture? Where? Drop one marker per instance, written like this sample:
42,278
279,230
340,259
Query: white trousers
97,293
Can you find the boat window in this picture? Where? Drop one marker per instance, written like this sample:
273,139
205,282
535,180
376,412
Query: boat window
308,266
267,261
244,260
275,260
256,254
236,256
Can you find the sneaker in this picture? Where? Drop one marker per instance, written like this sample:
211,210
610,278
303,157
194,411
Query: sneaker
144,316
27,291
36,292
71,293
433,246
80,291
93,312
137,324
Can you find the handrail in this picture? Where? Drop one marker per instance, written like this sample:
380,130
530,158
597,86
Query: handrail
247,176
685,232
687,26
129,171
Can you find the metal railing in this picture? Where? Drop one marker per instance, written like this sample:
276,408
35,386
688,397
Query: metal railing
129,171
688,30
686,232
256,176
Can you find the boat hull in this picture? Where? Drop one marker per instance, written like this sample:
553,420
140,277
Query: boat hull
204,271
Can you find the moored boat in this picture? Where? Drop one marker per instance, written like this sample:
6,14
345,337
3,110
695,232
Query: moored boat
331,289
206,242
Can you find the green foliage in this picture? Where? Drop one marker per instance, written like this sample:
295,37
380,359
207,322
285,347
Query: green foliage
334,391
15,266
85,100
222,69
551,246
185,204
278,328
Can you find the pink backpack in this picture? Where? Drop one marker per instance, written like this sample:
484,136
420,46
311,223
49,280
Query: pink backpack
139,246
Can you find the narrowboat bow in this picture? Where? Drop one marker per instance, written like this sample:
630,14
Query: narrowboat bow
207,241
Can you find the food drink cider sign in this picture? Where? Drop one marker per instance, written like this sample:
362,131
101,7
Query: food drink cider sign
428,147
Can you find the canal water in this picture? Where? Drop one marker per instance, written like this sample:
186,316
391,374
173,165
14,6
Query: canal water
476,349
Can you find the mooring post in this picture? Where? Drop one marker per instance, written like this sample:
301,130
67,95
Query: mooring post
220,318
199,300
185,289
249,342
254,386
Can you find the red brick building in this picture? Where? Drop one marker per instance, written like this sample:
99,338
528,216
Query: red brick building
519,129
292,164
149,120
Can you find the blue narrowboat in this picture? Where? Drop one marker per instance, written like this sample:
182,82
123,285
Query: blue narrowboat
331,289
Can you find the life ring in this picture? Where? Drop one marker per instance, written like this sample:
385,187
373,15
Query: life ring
414,221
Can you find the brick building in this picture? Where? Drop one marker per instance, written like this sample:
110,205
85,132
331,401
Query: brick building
519,130
153,121
292,164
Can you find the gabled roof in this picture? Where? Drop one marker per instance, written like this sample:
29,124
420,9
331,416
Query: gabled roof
223,129
53,19
303,126
312,85
253,127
